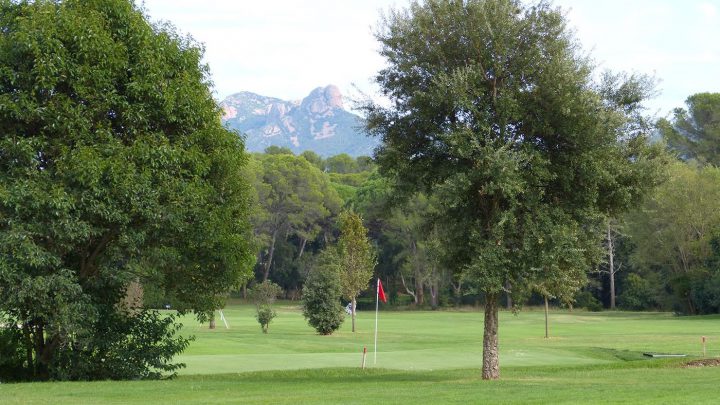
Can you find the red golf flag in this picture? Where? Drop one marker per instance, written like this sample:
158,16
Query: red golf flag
381,292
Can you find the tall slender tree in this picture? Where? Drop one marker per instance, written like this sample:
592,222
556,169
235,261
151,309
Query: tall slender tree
493,108
357,258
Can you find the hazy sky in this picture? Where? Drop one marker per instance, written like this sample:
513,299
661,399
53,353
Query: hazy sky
285,48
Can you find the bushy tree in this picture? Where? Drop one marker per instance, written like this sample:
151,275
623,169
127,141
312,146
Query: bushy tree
321,294
114,169
494,109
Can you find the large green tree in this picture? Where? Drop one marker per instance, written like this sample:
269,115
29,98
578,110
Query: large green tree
695,133
493,109
114,169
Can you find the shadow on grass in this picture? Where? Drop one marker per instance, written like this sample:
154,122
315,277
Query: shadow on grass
628,360
338,375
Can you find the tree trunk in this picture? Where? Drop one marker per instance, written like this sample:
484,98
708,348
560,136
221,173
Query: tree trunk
434,292
491,358
270,256
28,344
39,342
547,335
352,311
419,290
508,297
611,263
302,247
457,289
412,293
212,320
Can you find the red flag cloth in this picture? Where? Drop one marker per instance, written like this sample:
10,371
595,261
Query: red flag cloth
381,292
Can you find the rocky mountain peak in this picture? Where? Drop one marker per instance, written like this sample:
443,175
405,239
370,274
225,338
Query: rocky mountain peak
323,100
318,122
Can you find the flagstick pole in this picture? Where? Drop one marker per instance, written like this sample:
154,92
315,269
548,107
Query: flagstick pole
377,303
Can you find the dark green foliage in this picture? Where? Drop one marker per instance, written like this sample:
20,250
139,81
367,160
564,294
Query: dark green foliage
638,293
123,346
505,131
278,150
114,169
695,133
585,299
321,295
314,159
13,360
342,163
705,291
494,110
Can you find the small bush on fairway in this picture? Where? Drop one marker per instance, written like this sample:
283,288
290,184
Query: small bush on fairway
264,294
265,315
321,295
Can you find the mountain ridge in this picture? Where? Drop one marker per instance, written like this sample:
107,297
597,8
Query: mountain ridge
318,122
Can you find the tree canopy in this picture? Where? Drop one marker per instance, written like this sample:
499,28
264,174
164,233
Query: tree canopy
295,199
695,133
493,108
114,169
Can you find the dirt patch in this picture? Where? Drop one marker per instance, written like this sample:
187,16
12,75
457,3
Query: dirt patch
702,363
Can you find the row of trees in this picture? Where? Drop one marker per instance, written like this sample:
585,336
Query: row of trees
669,247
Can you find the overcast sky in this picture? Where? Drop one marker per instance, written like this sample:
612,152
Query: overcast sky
285,48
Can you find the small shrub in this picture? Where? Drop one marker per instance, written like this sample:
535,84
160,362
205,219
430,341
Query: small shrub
264,294
265,315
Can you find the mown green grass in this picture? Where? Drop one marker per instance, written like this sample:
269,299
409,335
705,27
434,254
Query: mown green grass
423,357
431,340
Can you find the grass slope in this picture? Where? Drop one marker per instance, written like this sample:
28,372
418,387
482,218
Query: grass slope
423,357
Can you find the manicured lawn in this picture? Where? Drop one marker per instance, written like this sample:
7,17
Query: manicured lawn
431,340
423,357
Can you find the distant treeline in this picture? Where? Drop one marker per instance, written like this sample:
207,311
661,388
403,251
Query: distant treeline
665,254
